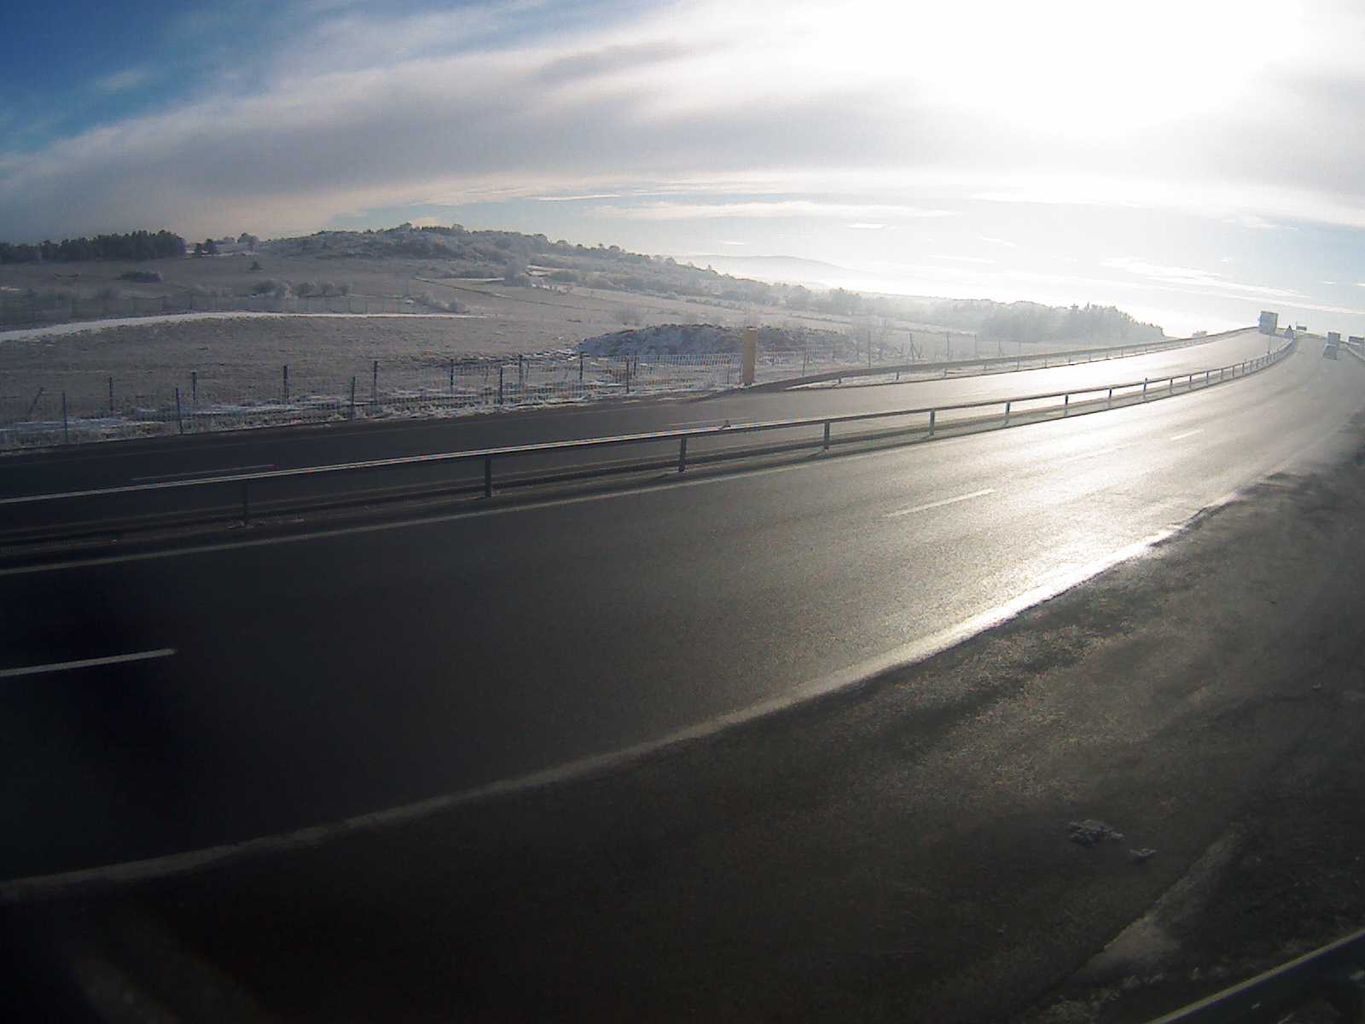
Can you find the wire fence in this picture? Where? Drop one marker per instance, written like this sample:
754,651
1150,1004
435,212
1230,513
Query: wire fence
76,406
87,406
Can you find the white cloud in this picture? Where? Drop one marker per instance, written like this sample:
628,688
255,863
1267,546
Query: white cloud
1192,277
122,81
493,101
769,208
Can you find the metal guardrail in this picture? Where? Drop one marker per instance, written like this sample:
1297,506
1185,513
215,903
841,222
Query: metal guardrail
1129,392
1334,973
1044,361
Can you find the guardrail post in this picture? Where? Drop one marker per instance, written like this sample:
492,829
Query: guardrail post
111,396
682,454
932,417
1109,402
580,367
488,476
66,426
452,376
179,419
501,370
1066,405
1171,390
350,413
1206,377
826,435
1007,412
1144,389
194,388
285,384
374,383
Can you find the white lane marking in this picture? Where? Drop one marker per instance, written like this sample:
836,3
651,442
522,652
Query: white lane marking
67,666
939,504
1188,433
200,472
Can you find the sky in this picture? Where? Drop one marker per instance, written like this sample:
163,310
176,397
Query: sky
1190,161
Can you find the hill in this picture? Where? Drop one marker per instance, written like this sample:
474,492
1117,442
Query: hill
521,259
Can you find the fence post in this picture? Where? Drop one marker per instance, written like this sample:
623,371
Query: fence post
111,396
285,378
374,383
580,367
179,418
682,454
452,376
501,369
350,414
194,387
488,476
66,426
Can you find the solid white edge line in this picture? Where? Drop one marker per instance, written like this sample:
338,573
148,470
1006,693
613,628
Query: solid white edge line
67,666
940,504
1188,433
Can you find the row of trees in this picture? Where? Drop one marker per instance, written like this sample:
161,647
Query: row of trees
135,245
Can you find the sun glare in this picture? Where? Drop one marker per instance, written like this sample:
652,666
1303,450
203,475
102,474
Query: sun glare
1106,69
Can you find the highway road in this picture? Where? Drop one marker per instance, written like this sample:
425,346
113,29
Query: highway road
258,684
121,463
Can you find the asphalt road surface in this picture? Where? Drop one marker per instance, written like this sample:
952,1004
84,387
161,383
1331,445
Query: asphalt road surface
268,682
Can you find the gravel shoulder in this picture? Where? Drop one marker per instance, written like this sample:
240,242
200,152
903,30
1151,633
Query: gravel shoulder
902,850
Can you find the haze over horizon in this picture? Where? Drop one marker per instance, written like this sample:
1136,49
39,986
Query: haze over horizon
1188,162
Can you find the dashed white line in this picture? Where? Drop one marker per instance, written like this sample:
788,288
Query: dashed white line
67,666
939,504
1188,433
201,472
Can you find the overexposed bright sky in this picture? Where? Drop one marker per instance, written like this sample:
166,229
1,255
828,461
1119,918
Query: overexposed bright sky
1191,162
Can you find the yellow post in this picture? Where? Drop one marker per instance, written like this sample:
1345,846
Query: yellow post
750,354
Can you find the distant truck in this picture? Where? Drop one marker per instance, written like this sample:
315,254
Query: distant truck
1270,322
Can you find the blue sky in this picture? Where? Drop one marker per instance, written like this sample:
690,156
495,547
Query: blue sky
1191,161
